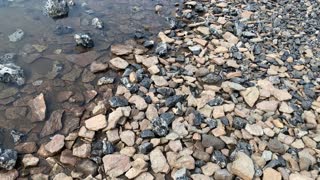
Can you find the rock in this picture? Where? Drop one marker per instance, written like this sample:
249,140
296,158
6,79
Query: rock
162,49
165,38
239,123
223,174
11,73
160,127
62,30
83,59
26,147
297,176
96,123
66,157
8,158
114,118
276,146
159,80
285,108
128,137
9,175
105,80
243,166
97,23
212,141
138,166
16,36
250,95
139,102
158,162
149,62
181,174
144,175
55,145
212,79
120,49
200,177
220,159
117,101
84,40
82,151
53,124
38,108
148,44
210,168
151,112
173,100
29,160
16,112
119,63
87,167
270,173
57,8
196,50
254,129
96,67
62,176
115,165
268,106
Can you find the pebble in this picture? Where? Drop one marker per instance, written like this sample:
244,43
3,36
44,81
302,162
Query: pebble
243,166
120,164
158,162
96,123
56,144
119,63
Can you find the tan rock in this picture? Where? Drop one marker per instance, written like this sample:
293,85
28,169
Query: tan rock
38,108
82,151
230,38
120,49
200,177
218,112
128,137
281,95
203,30
29,160
148,62
165,38
243,166
268,106
114,118
151,112
297,176
250,95
119,63
55,145
210,168
115,165
158,162
254,129
285,108
96,123
159,80
139,102
271,174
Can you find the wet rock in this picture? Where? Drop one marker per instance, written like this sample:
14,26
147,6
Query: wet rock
8,158
55,145
162,49
105,80
38,108
159,162
15,112
53,124
83,59
26,147
11,73
97,23
117,101
115,165
9,175
57,8
62,30
148,44
119,63
98,67
212,141
243,166
16,36
83,40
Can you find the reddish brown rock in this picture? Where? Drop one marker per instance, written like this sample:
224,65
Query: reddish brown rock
55,145
115,165
53,124
38,108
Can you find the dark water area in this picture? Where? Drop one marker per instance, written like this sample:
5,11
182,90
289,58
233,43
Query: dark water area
42,53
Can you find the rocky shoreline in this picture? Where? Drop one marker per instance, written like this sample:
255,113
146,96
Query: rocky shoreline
230,90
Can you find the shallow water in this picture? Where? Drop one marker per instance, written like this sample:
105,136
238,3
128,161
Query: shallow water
41,50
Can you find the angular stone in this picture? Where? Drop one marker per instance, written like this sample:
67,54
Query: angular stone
38,108
115,165
250,95
243,166
212,141
66,157
139,102
121,49
53,124
270,173
165,38
82,151
96,123
159,80
254,129
158,162
98,67
55,145
268,106
230,38
119,63
29,160
83,59
128,137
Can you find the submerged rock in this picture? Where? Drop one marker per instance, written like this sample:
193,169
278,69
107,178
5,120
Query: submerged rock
8,158
84,40
57,8
61,30
11,73
97,23
16,36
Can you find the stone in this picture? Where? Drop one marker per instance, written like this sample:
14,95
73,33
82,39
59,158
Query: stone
116,165
250,95
212,141
151,112
11,73
9,175
82,151
97,23
285,108
223,174
38,108
138,166
96,67
53,125
96,123
83,59
281,95
121,49
57,8
29,160
8,158
165,38
87,167
159,162
230,38
55,145
254,129
196,50
159,80
276,146
200,177
26,147
210,168
144,176
270,173
16,36
148,62
84,39
297,176
118,101
128,137
181,174
162,49
268,106
139,102
243,166
119,63
62,176
66,157
114,118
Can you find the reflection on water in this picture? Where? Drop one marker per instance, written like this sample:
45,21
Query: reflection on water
47,47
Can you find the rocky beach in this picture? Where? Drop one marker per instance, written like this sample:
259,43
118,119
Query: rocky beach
157,90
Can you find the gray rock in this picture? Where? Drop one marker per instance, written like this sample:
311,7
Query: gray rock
162,49
97,23
8,158
16,36
181,174
57,8
11,73
196,50
84,40
210,140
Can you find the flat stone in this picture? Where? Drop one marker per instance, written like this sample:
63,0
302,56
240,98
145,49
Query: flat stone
38,108
83,59
250,95
297,176
165,38
128,137
115,165
212,141
119,63
254,129
139,102
243,166
281,95
285,108
276,146
270,173
82,151
114,118
26,147
230,38
29,160
96,123
55,145
121,49
98,67
53,124
158,162
159,80
268,106
148,62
